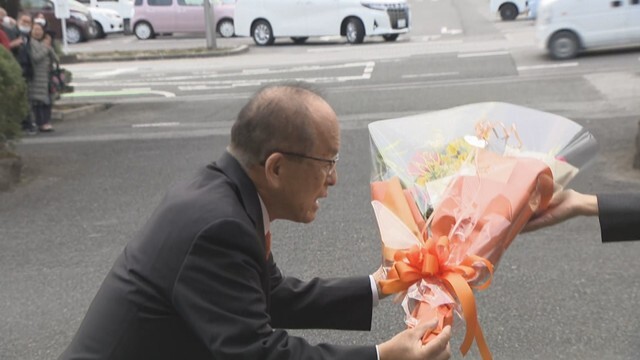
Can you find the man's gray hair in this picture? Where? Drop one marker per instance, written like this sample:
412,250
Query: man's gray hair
276,118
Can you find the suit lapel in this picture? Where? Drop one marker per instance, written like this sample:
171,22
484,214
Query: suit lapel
248,194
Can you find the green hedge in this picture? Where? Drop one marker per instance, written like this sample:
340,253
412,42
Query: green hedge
14,105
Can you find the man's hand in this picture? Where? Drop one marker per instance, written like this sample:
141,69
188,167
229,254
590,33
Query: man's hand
564,205
407,345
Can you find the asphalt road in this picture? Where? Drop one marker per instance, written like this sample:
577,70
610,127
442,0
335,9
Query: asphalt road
557,294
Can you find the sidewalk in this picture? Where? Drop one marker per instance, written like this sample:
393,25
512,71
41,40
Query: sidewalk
121,47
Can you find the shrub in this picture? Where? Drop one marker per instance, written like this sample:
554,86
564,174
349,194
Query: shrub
14,105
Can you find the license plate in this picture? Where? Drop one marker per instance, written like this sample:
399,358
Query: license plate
402,23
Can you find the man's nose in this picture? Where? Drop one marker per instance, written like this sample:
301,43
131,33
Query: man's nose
332,178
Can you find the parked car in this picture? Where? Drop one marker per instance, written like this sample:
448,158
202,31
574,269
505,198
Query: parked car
153,17
566,27
265,20
79,25
508,9
106,21
122,7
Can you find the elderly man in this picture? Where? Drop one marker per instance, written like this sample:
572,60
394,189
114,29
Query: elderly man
199,280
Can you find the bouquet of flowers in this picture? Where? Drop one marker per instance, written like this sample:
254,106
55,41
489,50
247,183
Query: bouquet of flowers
452,189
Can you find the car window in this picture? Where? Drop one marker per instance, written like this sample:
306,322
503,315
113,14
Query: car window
159,2
191,2
86,2
138,3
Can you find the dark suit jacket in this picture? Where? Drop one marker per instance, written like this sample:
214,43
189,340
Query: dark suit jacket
619,216
195,284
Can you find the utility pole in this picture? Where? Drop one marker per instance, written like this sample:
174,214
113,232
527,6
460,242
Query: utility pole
62,11
209,25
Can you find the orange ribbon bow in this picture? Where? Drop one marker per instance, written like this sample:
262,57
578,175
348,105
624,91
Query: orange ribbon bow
429,261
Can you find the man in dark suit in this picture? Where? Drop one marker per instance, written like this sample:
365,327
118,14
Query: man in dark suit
199,281
619,214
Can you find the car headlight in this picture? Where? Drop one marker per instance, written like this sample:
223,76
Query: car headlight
79,16
374,6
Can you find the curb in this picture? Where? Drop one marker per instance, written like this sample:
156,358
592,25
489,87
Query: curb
153,55
64,112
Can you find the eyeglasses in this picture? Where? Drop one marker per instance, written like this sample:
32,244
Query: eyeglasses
331,163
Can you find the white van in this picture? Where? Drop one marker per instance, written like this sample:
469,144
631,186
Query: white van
508,9
264,20
565,27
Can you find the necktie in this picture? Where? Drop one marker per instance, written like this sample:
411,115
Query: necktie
267,240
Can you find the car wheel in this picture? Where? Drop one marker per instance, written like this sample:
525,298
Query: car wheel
74,35
225,28
390,37
508,12
300,39
262,33
354,31
99,30
143,31
564,45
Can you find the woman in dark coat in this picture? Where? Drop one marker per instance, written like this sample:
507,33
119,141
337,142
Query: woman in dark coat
43,58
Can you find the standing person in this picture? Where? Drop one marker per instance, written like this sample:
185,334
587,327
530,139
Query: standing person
43,58
199,280
7,23
19,36
42,20
9,28
619,214
19,43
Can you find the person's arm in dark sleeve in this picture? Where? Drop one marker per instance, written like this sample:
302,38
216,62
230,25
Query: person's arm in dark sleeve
344,304
619,216
219,295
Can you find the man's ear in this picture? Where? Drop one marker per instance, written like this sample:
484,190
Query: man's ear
273,168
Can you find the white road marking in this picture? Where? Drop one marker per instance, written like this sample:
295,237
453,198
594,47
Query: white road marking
214,82
413,76
160,124
445,30
547,66
195,80
121,92
482,54
111,73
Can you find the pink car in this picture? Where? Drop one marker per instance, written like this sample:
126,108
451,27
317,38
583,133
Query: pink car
153,17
